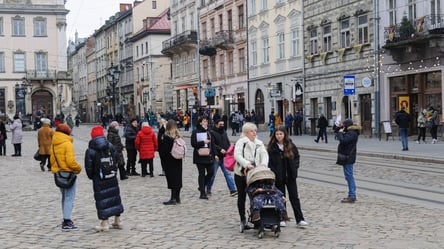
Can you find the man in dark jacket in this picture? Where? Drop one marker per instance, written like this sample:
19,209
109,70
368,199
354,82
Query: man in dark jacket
221,145
114,138
348,139
130,136
322,125
402,119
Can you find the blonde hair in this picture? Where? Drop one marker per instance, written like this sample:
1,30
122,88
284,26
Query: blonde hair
247,127
163,122
171,129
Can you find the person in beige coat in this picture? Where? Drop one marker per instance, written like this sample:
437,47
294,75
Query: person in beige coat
44,139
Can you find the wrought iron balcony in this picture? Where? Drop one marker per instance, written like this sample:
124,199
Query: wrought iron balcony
40,75
186,38
224,39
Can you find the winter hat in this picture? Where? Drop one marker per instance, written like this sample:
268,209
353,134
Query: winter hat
347,123
97,131
64,128
145,124
45,121
114,124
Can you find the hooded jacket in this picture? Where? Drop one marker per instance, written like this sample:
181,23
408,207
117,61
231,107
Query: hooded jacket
62,154
220,141
146,143
44,137
106,192
348,141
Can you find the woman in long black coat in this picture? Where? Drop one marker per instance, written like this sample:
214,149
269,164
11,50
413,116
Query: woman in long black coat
173,166
106,191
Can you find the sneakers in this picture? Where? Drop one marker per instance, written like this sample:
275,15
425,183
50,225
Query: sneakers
302,223
348,200
417,141
69,226
208,191
233,193
282,224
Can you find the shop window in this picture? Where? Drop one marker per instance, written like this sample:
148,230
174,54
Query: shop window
433,80
398,84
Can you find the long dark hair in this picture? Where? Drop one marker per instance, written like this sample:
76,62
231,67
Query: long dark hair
288,145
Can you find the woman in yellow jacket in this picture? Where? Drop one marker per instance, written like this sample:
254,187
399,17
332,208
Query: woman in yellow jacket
277,119
63,159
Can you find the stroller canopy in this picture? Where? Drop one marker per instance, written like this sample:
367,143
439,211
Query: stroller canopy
259,173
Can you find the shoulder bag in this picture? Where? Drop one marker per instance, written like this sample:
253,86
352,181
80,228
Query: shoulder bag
63,179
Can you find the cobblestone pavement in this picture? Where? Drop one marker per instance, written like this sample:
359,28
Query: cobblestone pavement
30,214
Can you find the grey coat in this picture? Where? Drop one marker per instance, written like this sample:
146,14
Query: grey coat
17,132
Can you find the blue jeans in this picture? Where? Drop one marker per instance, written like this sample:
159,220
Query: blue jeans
68,196
348,173
404,137
227,175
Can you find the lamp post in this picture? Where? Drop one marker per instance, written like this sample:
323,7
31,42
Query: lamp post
60,99
113,77
21,89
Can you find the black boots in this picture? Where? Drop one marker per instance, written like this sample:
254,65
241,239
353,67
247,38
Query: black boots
172,200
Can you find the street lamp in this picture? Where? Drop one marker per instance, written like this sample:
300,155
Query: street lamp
113,77
21,89
60,99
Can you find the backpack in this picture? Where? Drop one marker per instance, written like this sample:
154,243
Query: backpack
107,168
179,149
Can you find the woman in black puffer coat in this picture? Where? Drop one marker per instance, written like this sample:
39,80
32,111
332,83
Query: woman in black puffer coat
106,191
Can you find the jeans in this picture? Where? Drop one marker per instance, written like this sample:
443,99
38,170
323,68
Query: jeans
404,137
348,173
68,196
227,175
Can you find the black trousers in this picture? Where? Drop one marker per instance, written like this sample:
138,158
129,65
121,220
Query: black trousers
131,161
18,149
241,185
422,132
3,147
293,195
203,178
144,163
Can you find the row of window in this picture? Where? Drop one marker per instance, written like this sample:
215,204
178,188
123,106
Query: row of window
345,37
18,26
220,22
209,66
19,62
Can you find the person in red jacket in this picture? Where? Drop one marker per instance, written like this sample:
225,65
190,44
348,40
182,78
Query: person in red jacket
146,144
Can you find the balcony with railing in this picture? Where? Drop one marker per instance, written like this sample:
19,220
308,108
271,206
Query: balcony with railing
185,40
418,31
40,74
224,39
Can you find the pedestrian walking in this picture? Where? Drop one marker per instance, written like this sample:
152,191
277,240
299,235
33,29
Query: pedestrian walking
203,154
289,123
249,152
221,145
114,138
434,122
3,138
322,125
62,157
348,139
69,121
77,120
277,119
16,127
421,123
146,144
44,140
106,189
160,132
130,137
402,119
284,160
234,123
173,167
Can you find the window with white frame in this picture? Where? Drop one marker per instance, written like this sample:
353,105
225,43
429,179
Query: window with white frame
19,63
205,70
2,62
240,14
392,12
412,10
192,21
230,63
345,33
265,51
263,5
193,61
40,27
221,65
213,67
18,26
252,7
41,60
184,23
362,29
177,66
154,5
1,25
294,47
242,67
204,30
280,40
185,65
313,41
326,38
253,53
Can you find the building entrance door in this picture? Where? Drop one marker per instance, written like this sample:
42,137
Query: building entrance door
42,104
365,102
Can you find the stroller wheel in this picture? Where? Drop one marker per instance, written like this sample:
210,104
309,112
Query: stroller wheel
276,234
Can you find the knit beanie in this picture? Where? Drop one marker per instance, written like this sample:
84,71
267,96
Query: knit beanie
64,128
97,131
114,124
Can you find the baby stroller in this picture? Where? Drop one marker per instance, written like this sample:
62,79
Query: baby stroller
270,216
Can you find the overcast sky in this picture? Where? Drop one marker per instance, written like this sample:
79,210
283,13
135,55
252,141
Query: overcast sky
85,16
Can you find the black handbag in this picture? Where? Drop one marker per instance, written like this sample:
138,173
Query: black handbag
342,159
64,179
37,156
